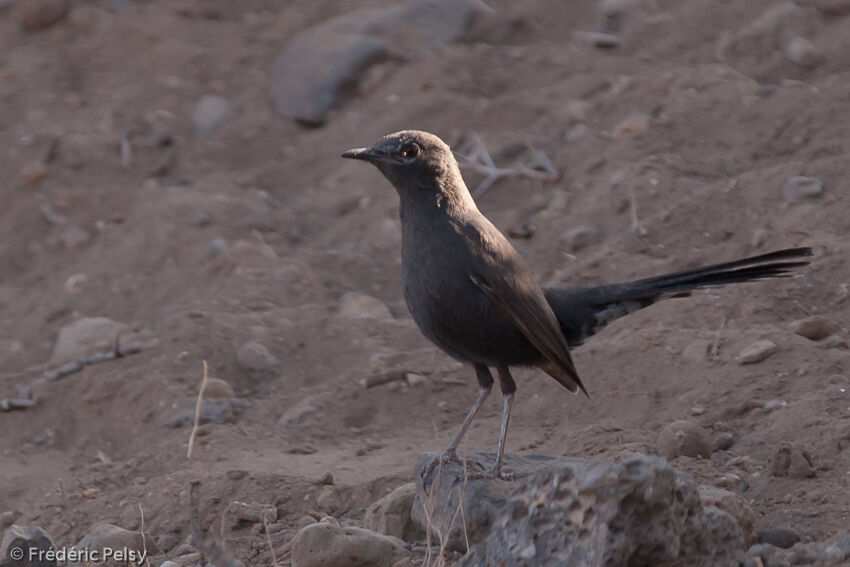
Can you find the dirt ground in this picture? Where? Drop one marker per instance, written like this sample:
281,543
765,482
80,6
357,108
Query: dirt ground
256,232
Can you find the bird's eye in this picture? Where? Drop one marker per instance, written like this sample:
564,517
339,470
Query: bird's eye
410,151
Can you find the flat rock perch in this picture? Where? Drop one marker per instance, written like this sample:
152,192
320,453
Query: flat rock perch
563,511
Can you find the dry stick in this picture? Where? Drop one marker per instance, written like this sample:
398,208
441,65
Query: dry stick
480,161
715,345
142,533
197,413
384,378
269,538
636,227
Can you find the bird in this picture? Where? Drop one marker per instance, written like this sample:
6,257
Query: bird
473,296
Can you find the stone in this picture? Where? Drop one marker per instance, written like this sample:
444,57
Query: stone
684,438
27,541
297,414
87,336
33,173
256,358
732,504
723,442
580,237
793,461
839,549
320,68
835,8
102,536
771,555
252,513
814,327
326,544
208,114
39,14
757,352
218,388
783,538
631,127
801,52
771,406
563,511
600,39
391,514
800,188
216,410
697,350
357,305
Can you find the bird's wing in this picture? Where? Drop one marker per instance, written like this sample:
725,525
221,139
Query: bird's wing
518,298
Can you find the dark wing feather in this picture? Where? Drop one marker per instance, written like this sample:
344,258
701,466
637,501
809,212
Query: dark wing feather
522,303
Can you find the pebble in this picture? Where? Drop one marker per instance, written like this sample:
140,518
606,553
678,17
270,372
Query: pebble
791,461
730,503
800,188
32,173
834,341
773,405
757,352
255,358
783,538
296,415
600,39
216,410
631,127
580,237
87,336
723,442
39,14
210,111
814,327
836,8
801,52
216,247
578,109
415,379
218,388
357,305
324,543
840,549
328,500
252,513
391,514
684,438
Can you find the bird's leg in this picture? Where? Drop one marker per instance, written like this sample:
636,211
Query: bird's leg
508,386
485,381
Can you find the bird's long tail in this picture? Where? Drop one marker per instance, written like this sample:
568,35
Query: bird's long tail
583,311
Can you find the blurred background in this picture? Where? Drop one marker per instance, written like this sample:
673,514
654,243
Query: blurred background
171,191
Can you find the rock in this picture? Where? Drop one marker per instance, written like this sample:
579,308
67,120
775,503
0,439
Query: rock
217,410
102,536
325,544
210,111
840,549
684,438
255,358
723,442
801,51
783,538
835,341
297,414
814,327
580,237
218,388
39,14
29,541
32,173
217,247
252,513
836,8
319,69
757,352
790,460
88,336
328,500
771,406
562,511
800,188
631,127
697,350
8,518
356,305
391,514
771,555
732,504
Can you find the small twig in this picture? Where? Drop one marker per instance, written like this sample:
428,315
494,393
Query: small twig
715,345
197,412
126,152
480,161
269,539
636,226
142,533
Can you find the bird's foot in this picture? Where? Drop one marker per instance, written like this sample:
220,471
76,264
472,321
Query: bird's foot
450,456
492,474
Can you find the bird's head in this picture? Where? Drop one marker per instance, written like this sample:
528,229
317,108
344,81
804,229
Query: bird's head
417,163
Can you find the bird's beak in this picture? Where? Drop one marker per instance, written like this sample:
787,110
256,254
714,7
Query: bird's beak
370,155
